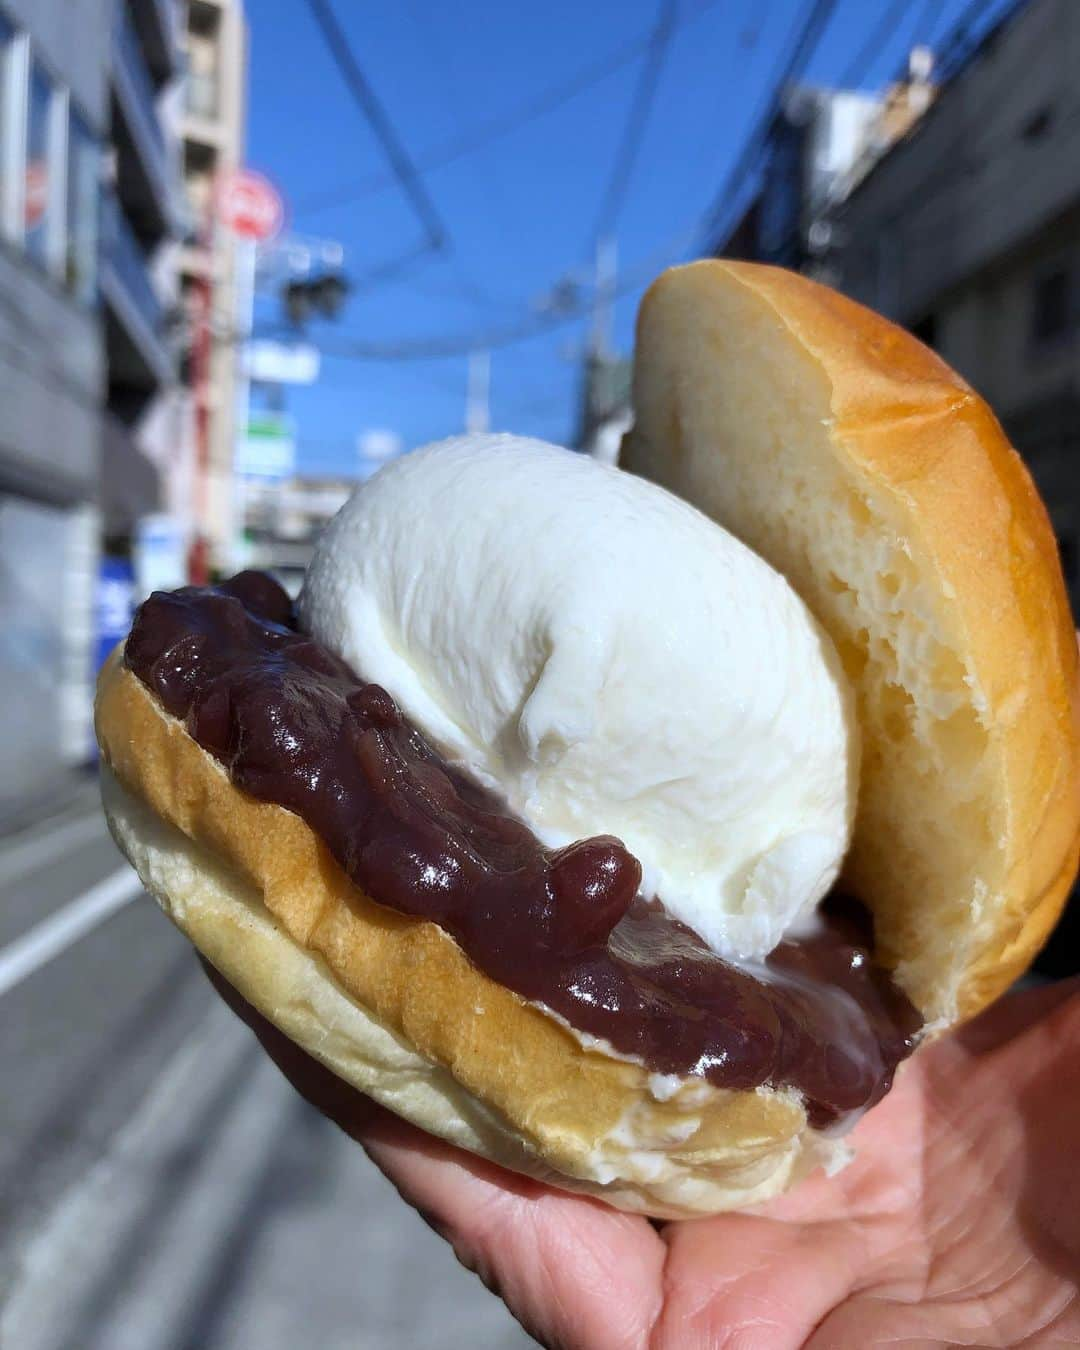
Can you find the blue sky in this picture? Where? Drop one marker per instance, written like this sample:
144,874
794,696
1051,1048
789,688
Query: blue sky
519,212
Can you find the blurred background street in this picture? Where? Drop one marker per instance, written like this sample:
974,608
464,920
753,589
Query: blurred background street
163,1187
250,250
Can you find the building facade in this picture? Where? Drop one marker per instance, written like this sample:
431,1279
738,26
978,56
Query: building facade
959,218
605,413
83,206
968,233
141,213
212,127
284,518
819,146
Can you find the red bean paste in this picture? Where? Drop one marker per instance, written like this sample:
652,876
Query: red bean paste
567,928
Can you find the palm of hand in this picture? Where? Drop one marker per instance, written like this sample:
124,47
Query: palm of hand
958,1223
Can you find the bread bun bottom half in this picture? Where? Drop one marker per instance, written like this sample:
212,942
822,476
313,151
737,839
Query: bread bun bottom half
394,1007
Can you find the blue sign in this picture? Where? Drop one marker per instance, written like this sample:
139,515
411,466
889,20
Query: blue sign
115,605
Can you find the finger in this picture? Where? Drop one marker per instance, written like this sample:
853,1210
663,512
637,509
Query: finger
1011,1016
573,1271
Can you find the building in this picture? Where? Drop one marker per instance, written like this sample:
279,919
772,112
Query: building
284,517
81,327
141,214
606,412
968,233
212,126
958,216
820,144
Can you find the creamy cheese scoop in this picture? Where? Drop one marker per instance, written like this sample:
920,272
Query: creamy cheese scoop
608,660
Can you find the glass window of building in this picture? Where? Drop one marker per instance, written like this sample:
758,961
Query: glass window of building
39,191
1051,312
9,130
83,202
202,77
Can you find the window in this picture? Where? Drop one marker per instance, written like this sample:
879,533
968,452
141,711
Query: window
926,329
1069,555
40,186
10,122
83,200
49,170
1051,315
1037,125
202,79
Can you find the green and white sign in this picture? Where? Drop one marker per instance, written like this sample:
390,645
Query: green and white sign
268,450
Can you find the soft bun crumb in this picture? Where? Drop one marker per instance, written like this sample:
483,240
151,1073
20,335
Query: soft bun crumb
857,463
860,466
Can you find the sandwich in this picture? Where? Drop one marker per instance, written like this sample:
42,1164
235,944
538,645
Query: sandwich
631,826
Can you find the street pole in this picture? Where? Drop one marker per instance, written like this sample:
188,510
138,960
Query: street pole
201,379
246,266
478,397
604,294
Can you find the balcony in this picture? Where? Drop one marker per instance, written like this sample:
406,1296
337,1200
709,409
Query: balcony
138,353
156,26
130,482
201,95
204,14
146,166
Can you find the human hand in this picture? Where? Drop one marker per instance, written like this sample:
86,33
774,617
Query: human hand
958,1223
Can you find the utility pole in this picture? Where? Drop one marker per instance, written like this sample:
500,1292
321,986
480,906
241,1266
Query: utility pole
478,395
599,358
202,363
247,253
603,295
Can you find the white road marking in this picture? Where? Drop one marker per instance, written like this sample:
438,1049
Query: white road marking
52,844
59,931
125,1184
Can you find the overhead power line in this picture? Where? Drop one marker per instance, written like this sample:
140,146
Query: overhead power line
450,82
344,347
965,153
637,120
751,36
818,14
863,60
495,128
391,268
927,22
458,344
404,170
964,35
958,39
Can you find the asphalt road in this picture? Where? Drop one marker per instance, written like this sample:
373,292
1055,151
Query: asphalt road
161,1187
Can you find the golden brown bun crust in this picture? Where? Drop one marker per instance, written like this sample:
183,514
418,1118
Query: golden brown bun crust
853,459
866,471
558,1107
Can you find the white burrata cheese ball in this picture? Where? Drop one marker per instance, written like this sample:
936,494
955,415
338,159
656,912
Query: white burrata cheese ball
608,660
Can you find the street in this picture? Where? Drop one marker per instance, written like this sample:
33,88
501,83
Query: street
163,1187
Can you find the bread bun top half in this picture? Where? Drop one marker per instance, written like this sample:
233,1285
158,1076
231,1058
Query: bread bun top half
857,463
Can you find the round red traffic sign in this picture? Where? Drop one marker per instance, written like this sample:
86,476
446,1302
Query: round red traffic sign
249,205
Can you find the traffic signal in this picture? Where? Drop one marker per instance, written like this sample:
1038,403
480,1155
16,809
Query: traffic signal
322,296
